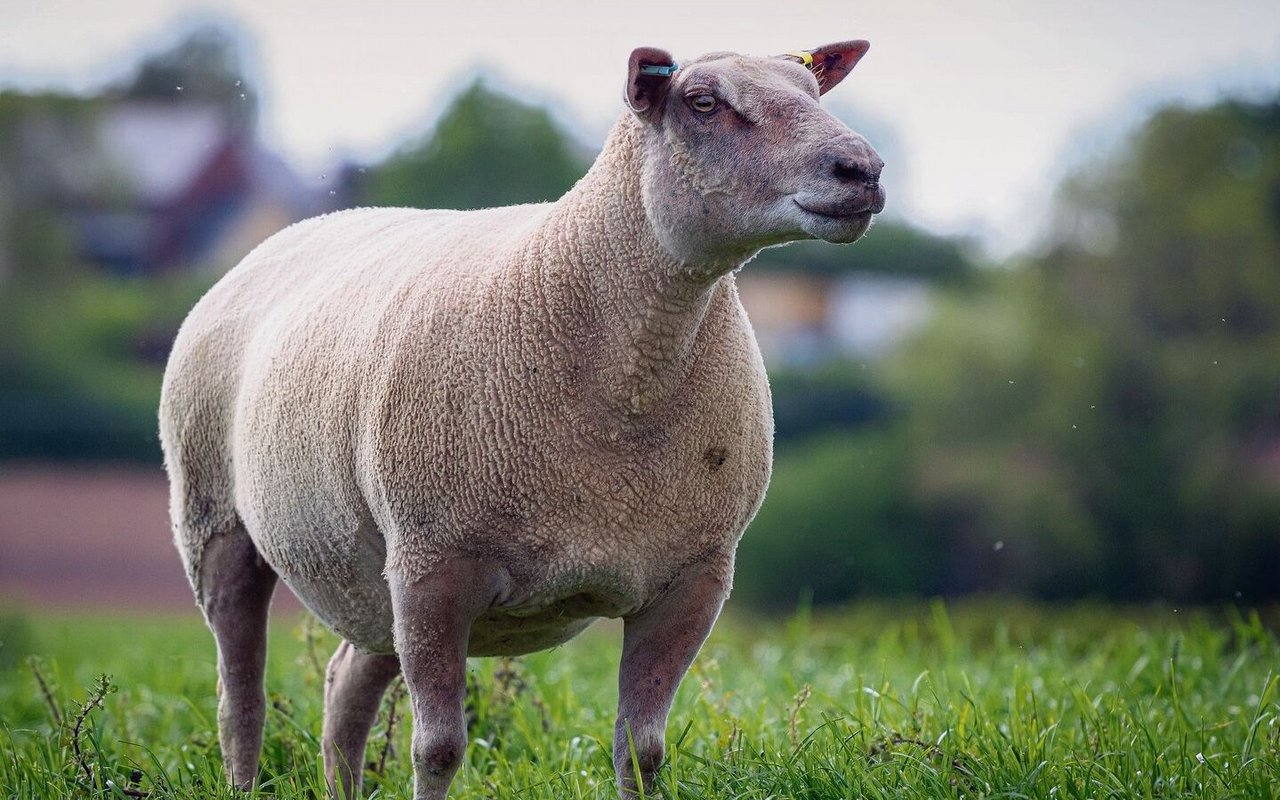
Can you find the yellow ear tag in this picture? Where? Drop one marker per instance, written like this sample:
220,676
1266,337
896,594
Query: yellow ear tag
805,58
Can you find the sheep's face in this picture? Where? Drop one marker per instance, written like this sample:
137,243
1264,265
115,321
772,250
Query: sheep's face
740,155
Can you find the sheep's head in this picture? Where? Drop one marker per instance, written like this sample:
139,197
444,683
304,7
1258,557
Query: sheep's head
740,155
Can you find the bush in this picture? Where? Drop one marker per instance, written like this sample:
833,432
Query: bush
838,522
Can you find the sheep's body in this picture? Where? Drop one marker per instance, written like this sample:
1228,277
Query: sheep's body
458,433
385,388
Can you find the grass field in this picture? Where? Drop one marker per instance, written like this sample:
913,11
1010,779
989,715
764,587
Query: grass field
973,700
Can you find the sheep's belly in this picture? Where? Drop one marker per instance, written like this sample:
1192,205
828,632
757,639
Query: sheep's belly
348,592
498,632
362,615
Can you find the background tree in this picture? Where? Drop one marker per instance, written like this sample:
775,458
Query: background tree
206,66
1103,420
1118,409
488,149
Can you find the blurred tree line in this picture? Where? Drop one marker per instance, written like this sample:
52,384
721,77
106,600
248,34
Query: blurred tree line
1099,420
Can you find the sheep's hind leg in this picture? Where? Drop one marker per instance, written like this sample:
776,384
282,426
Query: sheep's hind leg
353,691
235,588
433,617
659,644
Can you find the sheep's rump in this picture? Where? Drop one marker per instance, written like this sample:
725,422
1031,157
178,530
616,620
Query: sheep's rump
274,374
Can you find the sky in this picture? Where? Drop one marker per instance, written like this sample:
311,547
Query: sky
979,107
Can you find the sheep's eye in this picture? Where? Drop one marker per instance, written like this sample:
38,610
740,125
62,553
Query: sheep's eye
703,103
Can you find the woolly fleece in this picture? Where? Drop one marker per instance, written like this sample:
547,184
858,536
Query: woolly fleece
543,386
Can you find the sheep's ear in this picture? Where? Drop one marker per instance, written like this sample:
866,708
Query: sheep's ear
831,63
649,72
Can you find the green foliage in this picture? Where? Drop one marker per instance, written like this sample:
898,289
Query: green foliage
1109,411
1098,421
59,110
35,243
1191,211
81,364
881,701
838,522
488,149
81,353
835,395
16,639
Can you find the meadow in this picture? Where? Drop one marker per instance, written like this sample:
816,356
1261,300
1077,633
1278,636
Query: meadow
968,700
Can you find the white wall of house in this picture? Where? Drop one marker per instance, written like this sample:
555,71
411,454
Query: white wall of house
801,320
869,315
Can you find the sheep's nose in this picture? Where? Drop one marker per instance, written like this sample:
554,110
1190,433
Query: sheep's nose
858,169
862,174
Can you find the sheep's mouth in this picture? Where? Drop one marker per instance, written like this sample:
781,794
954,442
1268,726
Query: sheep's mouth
837,211
839,223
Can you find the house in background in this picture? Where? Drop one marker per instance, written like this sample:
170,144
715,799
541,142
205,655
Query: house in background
179,186
162,171
802,319
788,312
872,313
138,187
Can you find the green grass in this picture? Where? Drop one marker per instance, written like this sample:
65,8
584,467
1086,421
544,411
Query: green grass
980,699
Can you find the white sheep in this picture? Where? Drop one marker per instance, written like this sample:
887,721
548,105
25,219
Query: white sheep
473,433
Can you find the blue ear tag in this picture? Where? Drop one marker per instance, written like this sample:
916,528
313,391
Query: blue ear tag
665,71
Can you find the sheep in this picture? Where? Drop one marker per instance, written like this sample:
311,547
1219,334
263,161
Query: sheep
472,433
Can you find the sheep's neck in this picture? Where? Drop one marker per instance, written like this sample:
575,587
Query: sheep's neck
647,307
651,330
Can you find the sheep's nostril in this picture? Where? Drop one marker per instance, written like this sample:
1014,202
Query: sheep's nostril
851,171
857,170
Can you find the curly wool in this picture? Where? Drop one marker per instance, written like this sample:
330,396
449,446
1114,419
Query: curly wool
378,390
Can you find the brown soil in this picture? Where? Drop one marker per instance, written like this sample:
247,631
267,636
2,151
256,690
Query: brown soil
91,537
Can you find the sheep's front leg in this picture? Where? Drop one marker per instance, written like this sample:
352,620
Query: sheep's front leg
433,616
659,644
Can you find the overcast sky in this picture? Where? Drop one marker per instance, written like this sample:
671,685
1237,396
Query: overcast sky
980,102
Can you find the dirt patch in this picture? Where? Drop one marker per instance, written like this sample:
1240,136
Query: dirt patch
91,536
